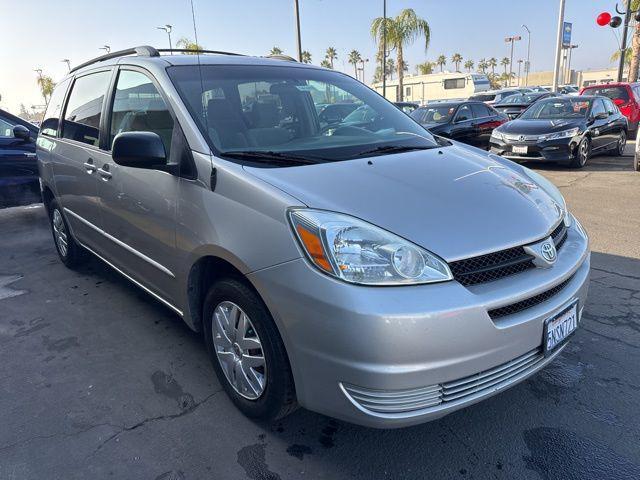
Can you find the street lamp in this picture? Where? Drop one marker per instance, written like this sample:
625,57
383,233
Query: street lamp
106,48
67,61
568,74
362,67
527,66
167,28
519,65
512,40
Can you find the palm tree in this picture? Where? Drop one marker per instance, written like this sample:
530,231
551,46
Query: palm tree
492,63
46,85
441,61
424,68
456,58
325,63
276,51
391,66
468,65
331,55
354,58
401,31
505,63
188,44
482,65
306,57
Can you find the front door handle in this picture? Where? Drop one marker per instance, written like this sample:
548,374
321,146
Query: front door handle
104,173
90,166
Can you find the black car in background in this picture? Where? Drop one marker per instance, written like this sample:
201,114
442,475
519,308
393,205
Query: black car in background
18,163
566,129
406,107
513,105
464,121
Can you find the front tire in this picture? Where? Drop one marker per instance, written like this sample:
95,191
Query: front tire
583,152
69,251
247,352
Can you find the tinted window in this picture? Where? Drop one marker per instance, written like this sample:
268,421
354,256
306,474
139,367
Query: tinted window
611,108
611,92
139,107
563,107
454,83
84,107
6,128
598,108
480,110
434,114
51,117
464,113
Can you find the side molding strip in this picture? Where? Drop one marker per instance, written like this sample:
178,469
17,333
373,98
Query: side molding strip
160,267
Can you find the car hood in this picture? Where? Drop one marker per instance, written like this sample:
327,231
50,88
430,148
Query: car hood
455,201
539,127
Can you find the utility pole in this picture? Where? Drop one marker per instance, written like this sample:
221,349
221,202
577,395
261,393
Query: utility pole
167,28
519,66
384,48
362,61
527,66
623,47
556,69
67,61
298,40
570,49
515,38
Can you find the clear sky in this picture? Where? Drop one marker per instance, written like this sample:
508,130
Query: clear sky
39,33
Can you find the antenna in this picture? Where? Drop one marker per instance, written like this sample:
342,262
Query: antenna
195,33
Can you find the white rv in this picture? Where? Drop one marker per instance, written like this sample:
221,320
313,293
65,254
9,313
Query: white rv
435,86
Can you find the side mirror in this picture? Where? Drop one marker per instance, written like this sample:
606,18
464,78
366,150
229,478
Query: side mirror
139,150
618,101
21,132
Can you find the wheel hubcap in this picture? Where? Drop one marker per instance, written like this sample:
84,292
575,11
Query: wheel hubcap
584,152
239,350
60,233
622,143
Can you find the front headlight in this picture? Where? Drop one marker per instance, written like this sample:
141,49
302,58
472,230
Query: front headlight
497,135
572,132
358,252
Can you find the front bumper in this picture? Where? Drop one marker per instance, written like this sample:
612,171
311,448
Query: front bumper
353,348
561,150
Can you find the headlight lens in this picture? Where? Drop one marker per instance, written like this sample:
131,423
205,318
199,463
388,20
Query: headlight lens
572,132
497,135
358,252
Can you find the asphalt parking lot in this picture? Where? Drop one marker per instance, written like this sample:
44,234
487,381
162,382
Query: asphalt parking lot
100,381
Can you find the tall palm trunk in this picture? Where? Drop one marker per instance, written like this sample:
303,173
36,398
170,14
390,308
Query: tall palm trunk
400,71
635,54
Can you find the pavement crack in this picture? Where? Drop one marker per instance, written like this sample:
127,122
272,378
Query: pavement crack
146,421
632,277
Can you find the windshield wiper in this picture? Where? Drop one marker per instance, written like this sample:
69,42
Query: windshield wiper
391,149
279,158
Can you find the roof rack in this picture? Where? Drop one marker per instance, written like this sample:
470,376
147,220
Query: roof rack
281,57
148,51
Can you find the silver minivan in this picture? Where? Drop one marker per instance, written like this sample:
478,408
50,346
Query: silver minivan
361,268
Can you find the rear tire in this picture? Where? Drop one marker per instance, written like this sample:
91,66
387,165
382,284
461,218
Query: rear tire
583,152
636,162
618,151
69,251
265,392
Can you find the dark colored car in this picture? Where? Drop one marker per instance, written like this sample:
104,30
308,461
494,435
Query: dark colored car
407,107
625,95
567,129
513,105
334,113
18,163
467,122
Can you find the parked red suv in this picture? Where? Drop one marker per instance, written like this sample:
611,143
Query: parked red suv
625,95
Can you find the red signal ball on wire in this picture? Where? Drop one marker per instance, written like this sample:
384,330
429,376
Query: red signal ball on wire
603,19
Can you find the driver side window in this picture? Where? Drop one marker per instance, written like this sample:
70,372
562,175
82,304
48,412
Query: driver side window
6,128
598,108
464,114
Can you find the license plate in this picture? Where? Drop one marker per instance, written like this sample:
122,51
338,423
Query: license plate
520,149
557,329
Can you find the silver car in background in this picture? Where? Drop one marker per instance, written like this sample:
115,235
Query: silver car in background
366,270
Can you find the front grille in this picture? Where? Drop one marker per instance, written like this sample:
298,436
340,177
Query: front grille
528,302
521,138
500,264
454,392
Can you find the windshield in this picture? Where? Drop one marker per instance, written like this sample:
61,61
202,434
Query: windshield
612,92
570,107
519,98
274,109
435,114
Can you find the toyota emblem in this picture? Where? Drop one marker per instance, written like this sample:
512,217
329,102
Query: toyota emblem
548,251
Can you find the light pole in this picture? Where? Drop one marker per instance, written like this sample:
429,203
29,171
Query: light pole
519,65
515,38
362,61
167,28
570,48
527,66
106,48
556,68
625,29
67,61
298,40
384,48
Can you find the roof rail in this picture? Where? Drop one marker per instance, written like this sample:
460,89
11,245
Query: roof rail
186,50
281,57
143,51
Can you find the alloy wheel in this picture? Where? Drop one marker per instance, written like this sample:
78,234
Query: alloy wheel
622,142
583,152
60,233
239,350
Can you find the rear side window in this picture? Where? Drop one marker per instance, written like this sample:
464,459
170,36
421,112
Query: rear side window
611,92
480,110
51,120
464,113
139,107
84,107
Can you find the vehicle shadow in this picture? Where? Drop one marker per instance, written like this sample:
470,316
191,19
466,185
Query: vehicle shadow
597,163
